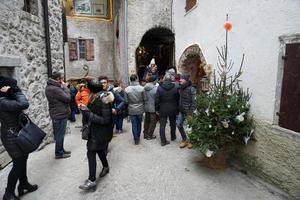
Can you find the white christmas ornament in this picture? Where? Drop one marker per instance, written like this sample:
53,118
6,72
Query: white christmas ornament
209,126
247,138
232,133
225,124
228,106
188,130
209,153
240,117
207,112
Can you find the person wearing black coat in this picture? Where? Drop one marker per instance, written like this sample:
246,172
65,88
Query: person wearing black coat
12,103
166,106
98,112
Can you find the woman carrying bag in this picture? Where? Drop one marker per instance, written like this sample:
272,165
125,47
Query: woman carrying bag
12,103
98,112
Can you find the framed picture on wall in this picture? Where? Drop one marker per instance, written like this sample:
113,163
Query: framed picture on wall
99,9
83,7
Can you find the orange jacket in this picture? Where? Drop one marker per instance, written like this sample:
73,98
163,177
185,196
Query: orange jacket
82,96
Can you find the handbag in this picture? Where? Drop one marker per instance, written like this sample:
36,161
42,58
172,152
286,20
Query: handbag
30,136
86,130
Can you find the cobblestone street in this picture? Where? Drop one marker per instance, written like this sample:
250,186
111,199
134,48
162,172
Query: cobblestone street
147,171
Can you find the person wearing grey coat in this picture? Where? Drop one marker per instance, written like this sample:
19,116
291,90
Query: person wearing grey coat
150,116
59,98
134,97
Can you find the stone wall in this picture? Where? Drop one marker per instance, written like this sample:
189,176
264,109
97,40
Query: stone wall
257,33
274,156
22,37
101,32
142,16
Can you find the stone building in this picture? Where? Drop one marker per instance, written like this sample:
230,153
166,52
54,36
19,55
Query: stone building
25,56
269,35
126,36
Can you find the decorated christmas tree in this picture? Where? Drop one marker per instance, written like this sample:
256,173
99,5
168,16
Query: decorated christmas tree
222,122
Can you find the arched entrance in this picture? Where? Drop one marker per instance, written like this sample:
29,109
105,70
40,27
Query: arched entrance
157,43
192,62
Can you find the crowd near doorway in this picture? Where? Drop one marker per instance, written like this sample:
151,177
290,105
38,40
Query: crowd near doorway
157,43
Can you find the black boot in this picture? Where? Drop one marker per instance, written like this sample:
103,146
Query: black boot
9,196
25,188
105,170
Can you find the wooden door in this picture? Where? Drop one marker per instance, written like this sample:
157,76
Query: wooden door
289,115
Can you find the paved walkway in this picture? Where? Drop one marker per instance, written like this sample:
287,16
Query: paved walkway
143,172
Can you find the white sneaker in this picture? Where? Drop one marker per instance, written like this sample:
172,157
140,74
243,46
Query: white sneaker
88,185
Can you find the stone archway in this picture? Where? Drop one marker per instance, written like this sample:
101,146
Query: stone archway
192,62
156,43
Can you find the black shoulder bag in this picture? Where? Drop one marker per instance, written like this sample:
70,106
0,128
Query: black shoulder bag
30,136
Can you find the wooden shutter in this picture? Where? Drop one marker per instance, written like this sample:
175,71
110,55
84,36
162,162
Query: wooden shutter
190,4
89,47
73,52
289,115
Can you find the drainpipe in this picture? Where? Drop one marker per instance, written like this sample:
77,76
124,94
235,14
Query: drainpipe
47,38
126,42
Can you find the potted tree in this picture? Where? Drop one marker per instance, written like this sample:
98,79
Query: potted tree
222,123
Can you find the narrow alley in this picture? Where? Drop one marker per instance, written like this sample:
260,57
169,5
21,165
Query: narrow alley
143,172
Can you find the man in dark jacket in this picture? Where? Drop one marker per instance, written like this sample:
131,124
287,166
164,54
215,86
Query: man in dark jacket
166,106
59,98
187,105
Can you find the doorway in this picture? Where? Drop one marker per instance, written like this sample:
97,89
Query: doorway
157,43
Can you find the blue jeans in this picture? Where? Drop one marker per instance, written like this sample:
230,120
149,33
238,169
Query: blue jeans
179,122
136,122
59,130
119,122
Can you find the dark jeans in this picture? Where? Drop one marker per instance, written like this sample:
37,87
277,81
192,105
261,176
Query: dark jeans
136,122
119,122
18,172
163,122
179,122
59,130
72,116
91,155
149,124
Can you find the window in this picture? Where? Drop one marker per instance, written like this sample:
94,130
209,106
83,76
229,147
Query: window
31,6
289,114
85,47
81,49
190,4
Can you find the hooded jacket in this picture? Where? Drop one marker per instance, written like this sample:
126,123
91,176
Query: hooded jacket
167,99
83,96
58,100
150,92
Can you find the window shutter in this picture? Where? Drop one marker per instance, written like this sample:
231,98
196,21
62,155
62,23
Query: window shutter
89,49
190,4
73,54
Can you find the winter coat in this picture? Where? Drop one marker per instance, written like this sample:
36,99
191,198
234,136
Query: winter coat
10,110
100,116
150,92
134,97
83,96
167,99
58,100
119,102
187,103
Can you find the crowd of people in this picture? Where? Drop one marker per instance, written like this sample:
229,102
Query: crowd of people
103,107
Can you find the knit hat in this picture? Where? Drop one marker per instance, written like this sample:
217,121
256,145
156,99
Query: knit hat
170,74
94,86
152,62
185,77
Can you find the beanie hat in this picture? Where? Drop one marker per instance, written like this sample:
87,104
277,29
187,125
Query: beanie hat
185,77
94,86
152,62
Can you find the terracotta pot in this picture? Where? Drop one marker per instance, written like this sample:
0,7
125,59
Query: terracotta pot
217,161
